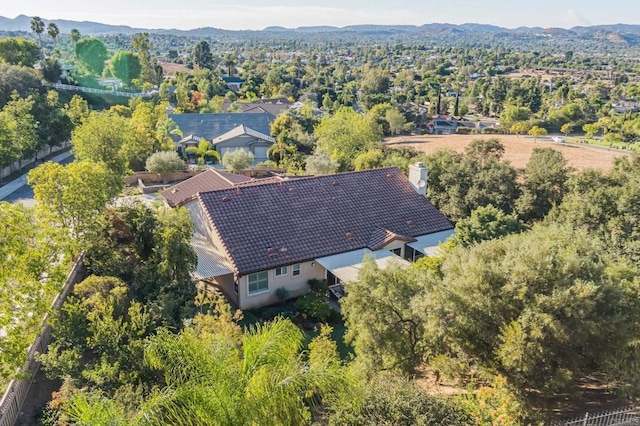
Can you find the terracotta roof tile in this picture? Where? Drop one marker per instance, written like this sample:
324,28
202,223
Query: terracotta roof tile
209,180
381,237
322,216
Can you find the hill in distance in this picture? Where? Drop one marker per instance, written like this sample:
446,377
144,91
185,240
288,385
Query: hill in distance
23,23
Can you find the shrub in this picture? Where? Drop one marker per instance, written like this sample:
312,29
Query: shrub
164,163
464,130
283,294
237,160
314,305
390,400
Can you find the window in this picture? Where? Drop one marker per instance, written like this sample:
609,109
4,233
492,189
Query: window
281,271
296,269
258,282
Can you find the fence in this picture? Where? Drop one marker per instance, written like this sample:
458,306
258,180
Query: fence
629,416
61,86
18,390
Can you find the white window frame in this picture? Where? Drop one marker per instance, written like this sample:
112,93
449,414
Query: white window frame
257,278
281,271
295,270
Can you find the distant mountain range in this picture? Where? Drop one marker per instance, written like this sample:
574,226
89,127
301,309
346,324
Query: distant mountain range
22,23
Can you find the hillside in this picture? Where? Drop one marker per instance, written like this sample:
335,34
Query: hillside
617,33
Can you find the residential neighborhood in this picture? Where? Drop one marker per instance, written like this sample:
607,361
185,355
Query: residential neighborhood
319,214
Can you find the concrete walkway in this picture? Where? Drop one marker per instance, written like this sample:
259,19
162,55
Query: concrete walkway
21,181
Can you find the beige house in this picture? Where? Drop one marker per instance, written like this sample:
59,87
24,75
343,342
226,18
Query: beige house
227,132
261,235
244,138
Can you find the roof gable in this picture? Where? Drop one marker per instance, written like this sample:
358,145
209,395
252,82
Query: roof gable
291,221
209,180
242,130
380,238
210,126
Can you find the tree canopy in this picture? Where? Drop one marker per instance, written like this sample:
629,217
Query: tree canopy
92,54
19,51
345,135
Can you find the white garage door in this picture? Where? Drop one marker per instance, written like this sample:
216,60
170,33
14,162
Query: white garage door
260,153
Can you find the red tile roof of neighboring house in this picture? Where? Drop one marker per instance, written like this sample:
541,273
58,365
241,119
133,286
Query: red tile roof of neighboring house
291,221
209,180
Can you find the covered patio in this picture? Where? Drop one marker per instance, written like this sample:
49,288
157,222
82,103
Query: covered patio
344,267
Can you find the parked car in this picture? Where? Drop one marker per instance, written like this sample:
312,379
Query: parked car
557,139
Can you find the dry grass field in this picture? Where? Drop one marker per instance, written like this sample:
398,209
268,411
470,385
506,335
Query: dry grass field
517,149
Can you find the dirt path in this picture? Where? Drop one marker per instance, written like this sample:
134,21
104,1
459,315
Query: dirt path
517,149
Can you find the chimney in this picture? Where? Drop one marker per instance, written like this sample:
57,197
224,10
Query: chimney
418,174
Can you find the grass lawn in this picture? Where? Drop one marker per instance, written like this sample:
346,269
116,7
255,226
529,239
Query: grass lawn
633,147
337,335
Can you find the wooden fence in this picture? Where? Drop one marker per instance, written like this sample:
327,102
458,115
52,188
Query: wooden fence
629,416
18,390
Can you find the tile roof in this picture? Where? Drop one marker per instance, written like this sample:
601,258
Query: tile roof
272,106
291,221
209,180
210,126
381,237
242,130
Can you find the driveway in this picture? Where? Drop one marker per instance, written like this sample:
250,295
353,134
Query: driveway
24,194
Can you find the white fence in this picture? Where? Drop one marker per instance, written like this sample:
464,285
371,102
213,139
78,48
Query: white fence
61,86
18,390
629,416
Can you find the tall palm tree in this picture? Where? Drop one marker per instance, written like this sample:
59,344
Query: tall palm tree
217,375
229,62
281,148
75,36
37,26
53,32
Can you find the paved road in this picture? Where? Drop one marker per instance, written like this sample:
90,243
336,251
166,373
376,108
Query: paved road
25,193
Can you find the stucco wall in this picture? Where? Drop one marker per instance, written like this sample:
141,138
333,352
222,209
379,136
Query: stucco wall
395,245
225,283
296,285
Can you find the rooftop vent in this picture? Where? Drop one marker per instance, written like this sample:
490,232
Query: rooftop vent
411,223
238,190
350,236
292,190
272,252
283,250
226,199
174,190
389,175
335,183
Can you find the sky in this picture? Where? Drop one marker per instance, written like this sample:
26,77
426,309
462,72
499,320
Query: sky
258,14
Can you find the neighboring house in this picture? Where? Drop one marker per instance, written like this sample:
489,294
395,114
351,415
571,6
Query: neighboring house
271,106
110,83
227,131
233,83
624,107
262,235
209,180
243,137
442,125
